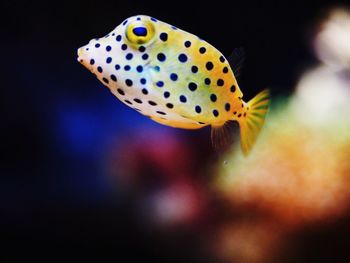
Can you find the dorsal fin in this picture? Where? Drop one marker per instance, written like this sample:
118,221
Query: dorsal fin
236,60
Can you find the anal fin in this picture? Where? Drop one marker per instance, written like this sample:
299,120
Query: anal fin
222,137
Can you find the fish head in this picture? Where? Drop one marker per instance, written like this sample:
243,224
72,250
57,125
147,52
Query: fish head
118,58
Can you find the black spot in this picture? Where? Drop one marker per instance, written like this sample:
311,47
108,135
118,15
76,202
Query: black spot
213,97
128,82
239,115
145,56
201,122
121,92
202,50
152,103
215,113
117,67
124,23
163,36
220,82
198,109
129,56
209,65
127,67
192,86
143,81
235,112
245,114
128,102
114,78
207,81
144,91
169,105
173,76
153,19
225,70
194,69
105,80
160,83
139,68
138,101
222,59
183,98
161,57
233,88
182,58
97,45
118,38
108,48
160,112
242,105
187,44
227,106
166,94
99,69
142,49
108,60
124,47
92,61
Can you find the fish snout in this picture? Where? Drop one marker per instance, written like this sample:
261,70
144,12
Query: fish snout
80,54
84,56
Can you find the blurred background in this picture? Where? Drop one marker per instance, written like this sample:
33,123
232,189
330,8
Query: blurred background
84,177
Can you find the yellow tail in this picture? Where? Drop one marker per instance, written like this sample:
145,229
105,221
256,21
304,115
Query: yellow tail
251,124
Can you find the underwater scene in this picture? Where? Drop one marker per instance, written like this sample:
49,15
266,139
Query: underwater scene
175,132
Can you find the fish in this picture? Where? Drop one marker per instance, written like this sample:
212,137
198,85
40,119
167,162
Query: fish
176,79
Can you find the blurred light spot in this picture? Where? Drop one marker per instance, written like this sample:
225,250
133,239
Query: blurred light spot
177,204
80,130
322,97
332,42
248,241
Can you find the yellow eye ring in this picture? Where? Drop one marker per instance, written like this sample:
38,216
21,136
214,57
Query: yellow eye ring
140,32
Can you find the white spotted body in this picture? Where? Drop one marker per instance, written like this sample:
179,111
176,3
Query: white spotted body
170,75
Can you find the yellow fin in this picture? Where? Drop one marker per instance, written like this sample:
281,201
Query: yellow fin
251,124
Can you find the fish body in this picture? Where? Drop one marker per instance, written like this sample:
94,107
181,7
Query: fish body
173,77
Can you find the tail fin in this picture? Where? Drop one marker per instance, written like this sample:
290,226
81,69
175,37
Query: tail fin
251,124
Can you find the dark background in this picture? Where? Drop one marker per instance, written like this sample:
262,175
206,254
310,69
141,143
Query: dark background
56,198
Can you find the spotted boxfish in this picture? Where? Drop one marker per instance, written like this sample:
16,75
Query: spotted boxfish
175,78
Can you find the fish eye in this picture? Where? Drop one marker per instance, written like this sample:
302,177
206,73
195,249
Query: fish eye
139,32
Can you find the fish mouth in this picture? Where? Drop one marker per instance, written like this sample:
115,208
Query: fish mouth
83,58
80,55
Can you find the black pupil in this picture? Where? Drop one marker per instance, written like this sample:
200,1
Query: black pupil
140,31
